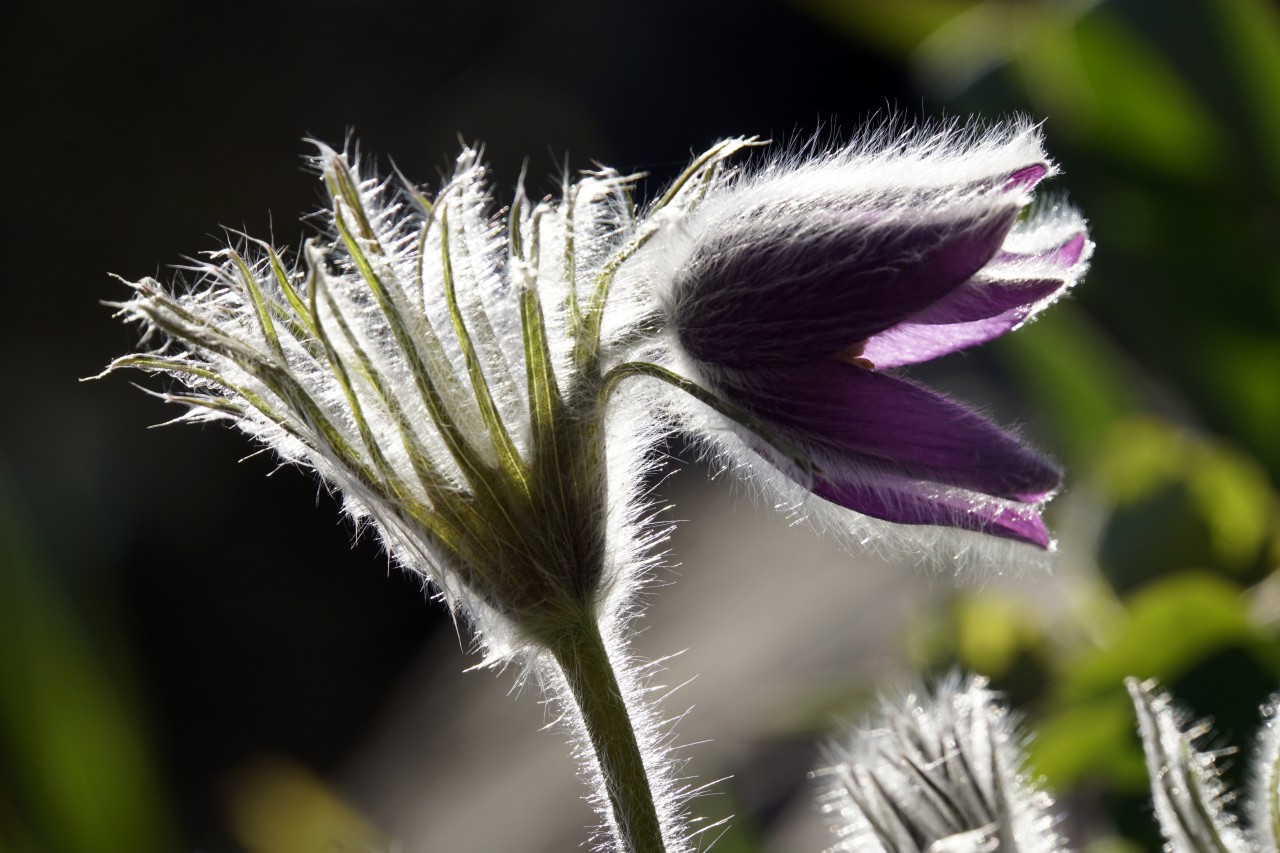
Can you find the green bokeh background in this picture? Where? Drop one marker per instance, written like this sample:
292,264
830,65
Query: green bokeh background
166,615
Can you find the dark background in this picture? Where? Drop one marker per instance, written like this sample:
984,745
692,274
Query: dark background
166,595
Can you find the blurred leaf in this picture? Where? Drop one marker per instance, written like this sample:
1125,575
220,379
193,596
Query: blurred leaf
278,806
1236,499
1139,455
1251,31
1076,376
1173,623
1113,845
1244,369
990,34
1230,490
1264,601
1102,83
894,25
992,629
1089,738
76,770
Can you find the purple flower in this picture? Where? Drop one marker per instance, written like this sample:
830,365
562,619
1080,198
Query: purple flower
800,289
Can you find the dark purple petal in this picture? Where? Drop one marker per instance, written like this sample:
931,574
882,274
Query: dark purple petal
791,290
896,426
914,503
976,312
1027,177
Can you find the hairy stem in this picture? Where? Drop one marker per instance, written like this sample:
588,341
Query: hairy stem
584,660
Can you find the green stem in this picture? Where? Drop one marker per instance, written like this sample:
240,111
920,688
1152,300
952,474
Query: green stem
584,660
799,458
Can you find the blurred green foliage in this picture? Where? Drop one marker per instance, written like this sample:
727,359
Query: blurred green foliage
278,806
77,775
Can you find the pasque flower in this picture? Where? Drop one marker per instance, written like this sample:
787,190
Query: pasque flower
1191,798
797,291
937,773
465,379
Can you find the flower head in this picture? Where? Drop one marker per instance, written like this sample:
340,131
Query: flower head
938,773
1188,791
794,292
410,361
444,369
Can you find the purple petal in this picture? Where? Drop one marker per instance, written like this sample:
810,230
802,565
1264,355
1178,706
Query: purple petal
981,298
974,313
796,289
896,426
916,503
913,343
1027,177
1061,257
